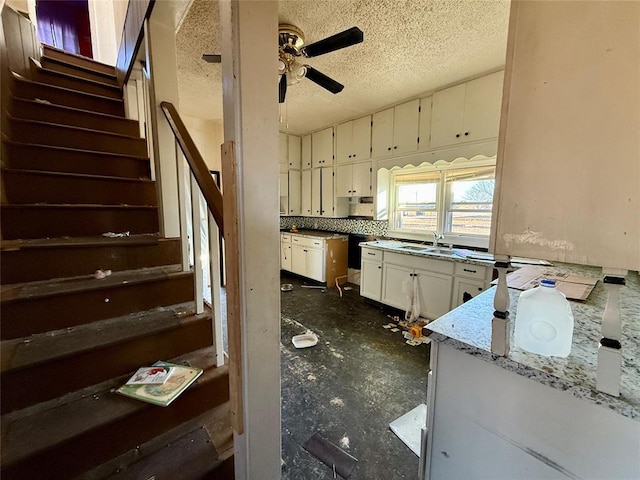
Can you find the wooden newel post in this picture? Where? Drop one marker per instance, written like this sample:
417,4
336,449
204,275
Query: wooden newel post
500,325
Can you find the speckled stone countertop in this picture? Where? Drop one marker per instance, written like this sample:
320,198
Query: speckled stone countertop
400,247
316,234
468,328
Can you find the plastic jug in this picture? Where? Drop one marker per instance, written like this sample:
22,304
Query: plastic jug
544,321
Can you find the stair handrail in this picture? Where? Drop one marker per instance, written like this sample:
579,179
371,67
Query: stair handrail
210,191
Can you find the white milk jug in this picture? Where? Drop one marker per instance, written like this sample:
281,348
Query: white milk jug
544,321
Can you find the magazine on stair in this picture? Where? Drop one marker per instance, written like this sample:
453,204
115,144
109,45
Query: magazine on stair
163,394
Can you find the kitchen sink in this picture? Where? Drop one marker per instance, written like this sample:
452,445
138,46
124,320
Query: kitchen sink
444,251
415,248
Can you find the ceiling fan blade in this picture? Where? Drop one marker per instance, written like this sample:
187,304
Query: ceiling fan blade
282,88
321,79
212,58
335,42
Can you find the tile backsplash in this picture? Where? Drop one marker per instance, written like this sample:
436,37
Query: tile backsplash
341,225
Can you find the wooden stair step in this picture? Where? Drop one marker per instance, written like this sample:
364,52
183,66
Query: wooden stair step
29,156
42,221
44,133
48,365
61,65
37,307
78,60
133,463
29,186
66,436
43,259
67,80
48,112
24,88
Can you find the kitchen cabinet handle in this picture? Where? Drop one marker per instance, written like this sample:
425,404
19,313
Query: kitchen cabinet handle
395,146
369,253
389,148
457,135
354,155
469,270
466,133
379,267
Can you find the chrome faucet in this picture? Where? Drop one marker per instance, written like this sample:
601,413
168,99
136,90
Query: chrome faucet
437,236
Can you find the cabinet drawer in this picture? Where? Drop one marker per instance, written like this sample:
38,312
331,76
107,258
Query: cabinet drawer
422,263
307,242
371,254
285,238
468,270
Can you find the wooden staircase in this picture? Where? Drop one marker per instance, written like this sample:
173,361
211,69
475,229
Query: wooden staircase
73,169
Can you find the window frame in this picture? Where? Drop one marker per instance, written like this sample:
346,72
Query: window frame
443,206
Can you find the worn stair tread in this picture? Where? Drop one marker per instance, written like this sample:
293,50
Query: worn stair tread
111,77
78,206
73,128
20,78
118,467
91,61
49,288
79,176
44,347
70,76
55,148
101,241
74,110
49,424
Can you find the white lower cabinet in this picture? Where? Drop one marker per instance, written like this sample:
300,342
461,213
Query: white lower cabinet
322,259
285,252
307,262
435,293
387,277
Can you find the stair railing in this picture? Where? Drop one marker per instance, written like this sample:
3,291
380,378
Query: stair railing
196,187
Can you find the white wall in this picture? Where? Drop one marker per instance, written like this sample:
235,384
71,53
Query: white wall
119,15
103,39
208,135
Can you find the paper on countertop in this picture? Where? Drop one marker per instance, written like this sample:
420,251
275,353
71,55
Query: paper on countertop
575,287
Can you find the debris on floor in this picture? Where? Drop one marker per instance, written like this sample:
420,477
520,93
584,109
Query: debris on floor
305,340
331,455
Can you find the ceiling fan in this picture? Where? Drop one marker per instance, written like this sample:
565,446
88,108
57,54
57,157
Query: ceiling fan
291,46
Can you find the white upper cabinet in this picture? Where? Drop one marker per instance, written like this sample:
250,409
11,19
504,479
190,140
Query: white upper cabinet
424,124
294,152
353,140
316,191
467,112
327,200
353,180
294,192
395,130
305,194
306,151
322,148
282,148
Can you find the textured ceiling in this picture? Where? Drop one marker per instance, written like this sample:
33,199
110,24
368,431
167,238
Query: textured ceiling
410,47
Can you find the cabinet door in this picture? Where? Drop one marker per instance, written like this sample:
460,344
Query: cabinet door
447,115
435,293
327,199
315,263
405,127
294,151
285,256
284,193
344,142
483,105
361,139
361,180
322,147
382,133
465,289
299,259
371,280
294,192
395,280
424,127
344,181
282,148
316,191
306,151
305,194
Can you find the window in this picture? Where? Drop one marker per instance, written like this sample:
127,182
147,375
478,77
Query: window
455,201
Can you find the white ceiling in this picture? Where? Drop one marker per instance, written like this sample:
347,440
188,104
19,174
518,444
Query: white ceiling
410,47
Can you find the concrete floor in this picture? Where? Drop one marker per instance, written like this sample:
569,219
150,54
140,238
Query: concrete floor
349,387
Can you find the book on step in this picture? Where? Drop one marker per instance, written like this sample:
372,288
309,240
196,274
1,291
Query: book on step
151,375
180,378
